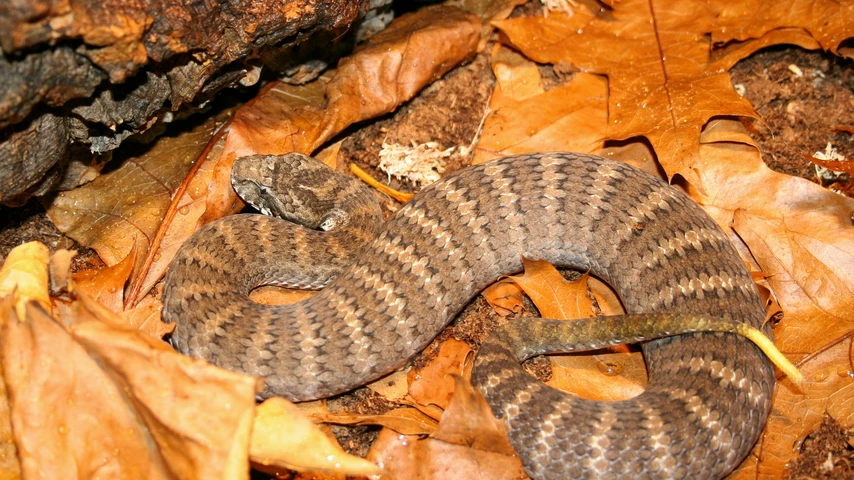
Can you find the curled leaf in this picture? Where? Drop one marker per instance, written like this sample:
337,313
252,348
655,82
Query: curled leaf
284,436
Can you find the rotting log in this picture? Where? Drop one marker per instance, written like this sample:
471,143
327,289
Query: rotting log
98,71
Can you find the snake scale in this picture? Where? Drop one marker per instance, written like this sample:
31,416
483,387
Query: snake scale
708,394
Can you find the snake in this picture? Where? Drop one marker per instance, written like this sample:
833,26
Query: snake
389,288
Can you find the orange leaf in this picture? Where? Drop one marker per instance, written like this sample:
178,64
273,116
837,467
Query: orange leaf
554,296
392,66
504,296
604,375
121,403
665,81
527,119
469,443
124,209
434,383
106,285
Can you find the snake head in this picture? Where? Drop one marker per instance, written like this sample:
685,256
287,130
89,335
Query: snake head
295,187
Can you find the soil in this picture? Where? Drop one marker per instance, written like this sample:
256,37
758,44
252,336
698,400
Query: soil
800,115
827,453
804,99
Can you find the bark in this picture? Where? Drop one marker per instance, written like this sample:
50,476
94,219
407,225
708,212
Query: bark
99,71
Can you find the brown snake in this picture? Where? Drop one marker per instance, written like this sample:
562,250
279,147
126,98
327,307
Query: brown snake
708,394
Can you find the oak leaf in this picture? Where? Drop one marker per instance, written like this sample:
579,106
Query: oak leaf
525,118
469,443
393,65
123,209
434,383
605,375
665,79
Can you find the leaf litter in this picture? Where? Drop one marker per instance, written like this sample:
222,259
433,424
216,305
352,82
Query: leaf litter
785,246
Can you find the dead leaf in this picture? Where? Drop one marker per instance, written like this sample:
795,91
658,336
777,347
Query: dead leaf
606,297
504,296
606,375
434,384
284,436
181,218
799,234
145,317
828,387
10,467
409,457
845,166
827,21
527,119
659,55
554,296
125,208
468,421
59,270
106,285
393,387
469,443
637,153
88,379
120,403
392,66
407,421
25,274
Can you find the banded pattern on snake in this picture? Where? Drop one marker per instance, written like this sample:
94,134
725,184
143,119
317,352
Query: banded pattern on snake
708,394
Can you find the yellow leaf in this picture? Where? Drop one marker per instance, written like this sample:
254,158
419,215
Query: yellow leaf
25,273
284,436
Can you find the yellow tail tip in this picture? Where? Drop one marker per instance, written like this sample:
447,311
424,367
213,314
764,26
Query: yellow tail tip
776,356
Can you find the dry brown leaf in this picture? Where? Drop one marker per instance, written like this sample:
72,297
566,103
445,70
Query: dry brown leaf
393,387
393,65
799,234
95,400
284,436
124,208
504,296
469,443
145,317
47,371
844,166
110,393
468,421
409,457
828,387
166,389
665,81
180,220
826,21
608,375
10,467
407,421
434,384
636,153
554,296
59,270
609,303
526,119
106,285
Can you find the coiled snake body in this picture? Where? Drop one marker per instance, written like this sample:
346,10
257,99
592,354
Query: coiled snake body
708,394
